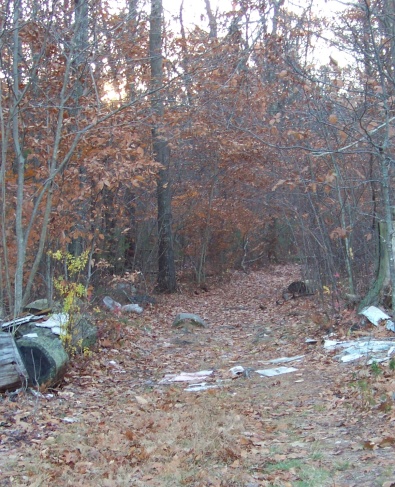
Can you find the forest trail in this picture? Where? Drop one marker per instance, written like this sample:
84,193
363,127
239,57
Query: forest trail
115,423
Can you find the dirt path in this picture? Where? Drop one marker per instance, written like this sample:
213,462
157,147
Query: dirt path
114,423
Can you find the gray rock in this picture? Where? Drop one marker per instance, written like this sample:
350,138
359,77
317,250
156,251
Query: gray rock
183,319
38,305
84,334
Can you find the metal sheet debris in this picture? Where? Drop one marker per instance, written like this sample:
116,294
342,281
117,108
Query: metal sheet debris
376,316
366,348
57,322
276,371
186,376
284,360
202,386
19,321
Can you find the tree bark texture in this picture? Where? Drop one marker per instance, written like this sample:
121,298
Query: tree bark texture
376,291
13,373
161,150
212,20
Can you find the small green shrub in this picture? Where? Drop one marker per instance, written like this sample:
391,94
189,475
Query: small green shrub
71,290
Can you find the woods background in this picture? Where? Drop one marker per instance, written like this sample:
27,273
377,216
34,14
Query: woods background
172,149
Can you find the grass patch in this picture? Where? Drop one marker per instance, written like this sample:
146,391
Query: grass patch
342,466
314,477
307,475
284,465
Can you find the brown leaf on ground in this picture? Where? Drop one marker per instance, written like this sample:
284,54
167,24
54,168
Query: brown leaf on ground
325,424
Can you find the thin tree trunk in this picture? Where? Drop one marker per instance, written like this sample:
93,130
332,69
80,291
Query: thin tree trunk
80,45
375,294
201,271
342,206
5,280
384,164
20,166
384,147
212,20
185,62
166,268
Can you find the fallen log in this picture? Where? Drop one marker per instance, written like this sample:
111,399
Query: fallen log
13,373
35,354
44,357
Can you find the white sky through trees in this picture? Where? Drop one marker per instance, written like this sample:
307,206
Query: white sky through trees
194,12
194,9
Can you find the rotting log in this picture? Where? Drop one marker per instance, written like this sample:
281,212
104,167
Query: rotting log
13,373
34,355
44,357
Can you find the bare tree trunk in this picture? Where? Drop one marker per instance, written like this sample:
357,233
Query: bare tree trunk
201,270
212,20
20,166
277,4
81,32
128,242
383,147
343,224
185,58
378,289
6,287
132,7
384,164
166,268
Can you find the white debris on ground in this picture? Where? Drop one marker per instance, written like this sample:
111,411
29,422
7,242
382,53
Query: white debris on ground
284,360
118,308
376,316
368,349
237,370
202,386
57,322
193,377
186,376
276,371
365,348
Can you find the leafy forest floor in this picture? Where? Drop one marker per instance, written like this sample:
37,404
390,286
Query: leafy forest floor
113,423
